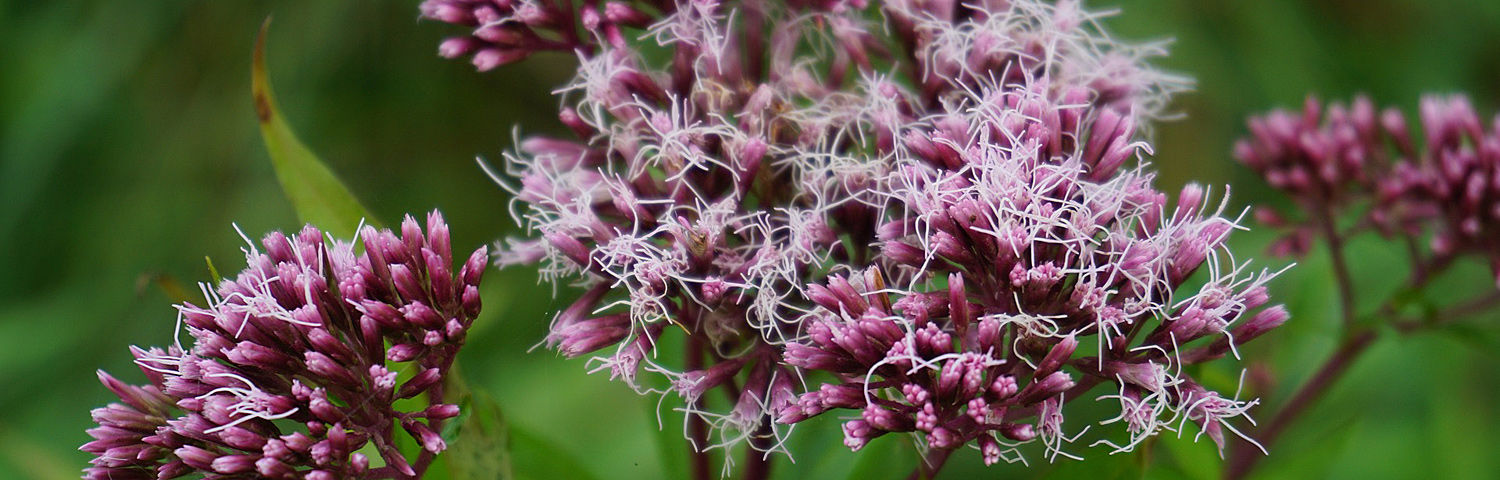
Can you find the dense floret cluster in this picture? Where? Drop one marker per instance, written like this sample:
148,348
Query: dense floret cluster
1026,239
298,364
917,210
1353,158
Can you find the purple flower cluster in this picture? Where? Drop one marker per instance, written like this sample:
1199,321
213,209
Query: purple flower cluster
1014,236
747,172
1349,157
506,31
299,363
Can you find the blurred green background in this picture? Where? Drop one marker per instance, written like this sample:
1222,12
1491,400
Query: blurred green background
128,145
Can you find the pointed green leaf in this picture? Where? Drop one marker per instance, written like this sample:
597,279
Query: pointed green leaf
213,272
478,441
315,192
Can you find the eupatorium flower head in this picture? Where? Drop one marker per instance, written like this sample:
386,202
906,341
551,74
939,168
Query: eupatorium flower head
297,364
1444,180
918,214
1019,240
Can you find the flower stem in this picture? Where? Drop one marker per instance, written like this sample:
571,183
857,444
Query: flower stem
931,464
757,463
1244,459
697,429
1344,281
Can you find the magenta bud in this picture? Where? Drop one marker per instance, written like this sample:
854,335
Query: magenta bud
404,352
429,439
448,13
958,304
383,313
1020,432
454,329
570,247
422,316
440,278
325,342
319,475
196,457
1048,387
407,283
420,383
241,438
582,129
491,58
1189,201
471,302
1146,375
624,14
231,464
145,399
713,290
359,461
1262,322
857,434
328,368
441,411
1055,358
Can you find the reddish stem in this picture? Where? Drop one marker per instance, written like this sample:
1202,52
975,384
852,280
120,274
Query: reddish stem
697,429
1244,458
1345,281
930,465
757,462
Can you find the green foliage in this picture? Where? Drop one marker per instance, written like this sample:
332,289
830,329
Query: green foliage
671,446
544,458
1187,459
1312,456
315,192
883,458
478,439
1121,466
128,146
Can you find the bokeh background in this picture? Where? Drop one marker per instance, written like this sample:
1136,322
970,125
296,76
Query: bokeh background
128,147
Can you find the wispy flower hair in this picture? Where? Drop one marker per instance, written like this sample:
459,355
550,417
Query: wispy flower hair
1015,235
799,171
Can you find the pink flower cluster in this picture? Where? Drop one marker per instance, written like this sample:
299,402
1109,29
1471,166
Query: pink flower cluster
1345,158
1015,235
298,364
917,211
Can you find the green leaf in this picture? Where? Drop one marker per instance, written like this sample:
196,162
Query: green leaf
1481,339
213,272
1121,466
885,458
1313,458
555,461
478,441
315,192
671,446
817,452
1197,460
